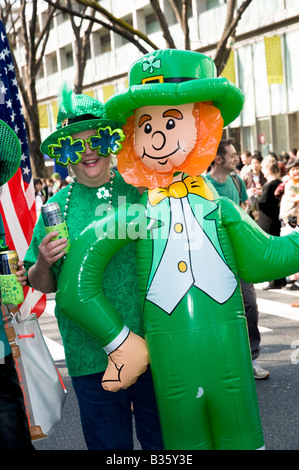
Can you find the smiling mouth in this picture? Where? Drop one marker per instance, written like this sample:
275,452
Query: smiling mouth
91,161
165,157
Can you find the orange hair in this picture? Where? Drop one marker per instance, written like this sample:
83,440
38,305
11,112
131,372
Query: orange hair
209,124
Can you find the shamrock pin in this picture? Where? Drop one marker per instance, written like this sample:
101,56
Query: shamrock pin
67,150
107,141
151,64
103,193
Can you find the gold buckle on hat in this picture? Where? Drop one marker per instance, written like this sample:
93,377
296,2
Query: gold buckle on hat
155,79
65,122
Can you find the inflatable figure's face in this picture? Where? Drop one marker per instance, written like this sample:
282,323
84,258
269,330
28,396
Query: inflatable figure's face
164,135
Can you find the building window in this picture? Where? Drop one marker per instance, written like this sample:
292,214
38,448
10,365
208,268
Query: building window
66,57
105,43
151,24
51,61
293,120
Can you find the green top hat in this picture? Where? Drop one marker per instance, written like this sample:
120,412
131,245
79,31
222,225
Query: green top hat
10,153
174,77
77,113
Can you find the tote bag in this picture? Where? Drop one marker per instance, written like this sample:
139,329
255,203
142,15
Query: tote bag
43,389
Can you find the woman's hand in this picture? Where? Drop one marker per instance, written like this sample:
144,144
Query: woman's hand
22,278
50,250
40,274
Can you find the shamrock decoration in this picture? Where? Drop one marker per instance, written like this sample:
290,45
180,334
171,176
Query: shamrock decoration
151,63
67,150
107,141
103,193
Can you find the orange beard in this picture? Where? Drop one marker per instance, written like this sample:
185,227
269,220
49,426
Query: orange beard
209,124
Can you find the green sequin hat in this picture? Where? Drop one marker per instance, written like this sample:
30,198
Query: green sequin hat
174,77
10,153
78,113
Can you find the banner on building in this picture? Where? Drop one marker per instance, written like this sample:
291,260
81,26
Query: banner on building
229,69
273,59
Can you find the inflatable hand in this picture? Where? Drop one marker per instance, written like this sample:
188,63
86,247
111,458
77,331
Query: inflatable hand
126,363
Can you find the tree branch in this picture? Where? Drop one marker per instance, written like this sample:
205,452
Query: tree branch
163,24
121,23
222,51
108,26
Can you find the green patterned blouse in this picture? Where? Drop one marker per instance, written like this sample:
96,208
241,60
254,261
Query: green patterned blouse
84,355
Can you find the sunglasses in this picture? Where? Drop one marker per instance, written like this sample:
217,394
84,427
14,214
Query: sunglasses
105,142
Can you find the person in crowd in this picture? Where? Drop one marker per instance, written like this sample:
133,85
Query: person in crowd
268,207
246,160
254,181
44,189
49,183
40,195
288,212
63,183
292,158
14,428
226,185
106,417
56,182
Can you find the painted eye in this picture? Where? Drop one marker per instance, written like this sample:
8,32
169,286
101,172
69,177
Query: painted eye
148,128
170,124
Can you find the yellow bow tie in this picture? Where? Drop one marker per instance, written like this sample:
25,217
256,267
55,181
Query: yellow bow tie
179,189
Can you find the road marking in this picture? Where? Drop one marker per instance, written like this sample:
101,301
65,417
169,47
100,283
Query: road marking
263,329
278,309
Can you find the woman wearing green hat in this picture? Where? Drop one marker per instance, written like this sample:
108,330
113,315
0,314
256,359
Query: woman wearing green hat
14,430
85,138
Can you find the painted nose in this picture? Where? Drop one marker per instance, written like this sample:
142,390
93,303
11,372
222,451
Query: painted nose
159,140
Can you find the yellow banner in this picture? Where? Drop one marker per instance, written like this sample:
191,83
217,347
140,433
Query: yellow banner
107,92
43,115
89,93
273,59
229,69
54,110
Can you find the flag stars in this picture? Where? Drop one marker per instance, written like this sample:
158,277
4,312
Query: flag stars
26,170
3,90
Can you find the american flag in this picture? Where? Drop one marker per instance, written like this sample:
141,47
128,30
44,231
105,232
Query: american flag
17,201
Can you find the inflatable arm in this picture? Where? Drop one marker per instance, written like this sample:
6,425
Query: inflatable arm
81,297
260,257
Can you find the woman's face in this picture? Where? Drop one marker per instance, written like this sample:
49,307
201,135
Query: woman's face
93,170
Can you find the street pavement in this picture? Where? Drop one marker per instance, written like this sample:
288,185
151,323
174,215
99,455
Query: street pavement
278,396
